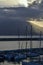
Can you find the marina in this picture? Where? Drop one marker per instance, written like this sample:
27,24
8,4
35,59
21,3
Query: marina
24,50
21,32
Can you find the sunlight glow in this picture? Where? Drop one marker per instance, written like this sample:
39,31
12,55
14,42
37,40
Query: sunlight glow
37,23
13,3
24,2
17,3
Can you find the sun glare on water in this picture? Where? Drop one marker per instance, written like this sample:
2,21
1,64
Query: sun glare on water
37,23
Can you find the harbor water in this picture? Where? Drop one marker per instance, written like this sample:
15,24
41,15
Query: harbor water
13,45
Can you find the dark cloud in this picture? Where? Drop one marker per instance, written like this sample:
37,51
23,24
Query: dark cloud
15,19
41,5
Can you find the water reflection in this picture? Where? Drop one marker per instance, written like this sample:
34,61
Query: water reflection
7,45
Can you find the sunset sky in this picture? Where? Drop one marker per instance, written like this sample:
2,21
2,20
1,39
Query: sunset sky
12,19
11,3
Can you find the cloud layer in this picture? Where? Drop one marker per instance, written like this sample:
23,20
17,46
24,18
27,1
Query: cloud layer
6,3
12,3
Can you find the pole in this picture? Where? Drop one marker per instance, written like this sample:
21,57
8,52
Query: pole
26,37
31,42
18,39
40,48
31,38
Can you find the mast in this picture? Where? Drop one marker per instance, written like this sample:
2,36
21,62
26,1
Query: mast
40,48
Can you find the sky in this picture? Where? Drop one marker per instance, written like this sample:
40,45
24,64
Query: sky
12,3
12,19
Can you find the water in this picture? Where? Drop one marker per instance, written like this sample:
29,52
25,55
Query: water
12,45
